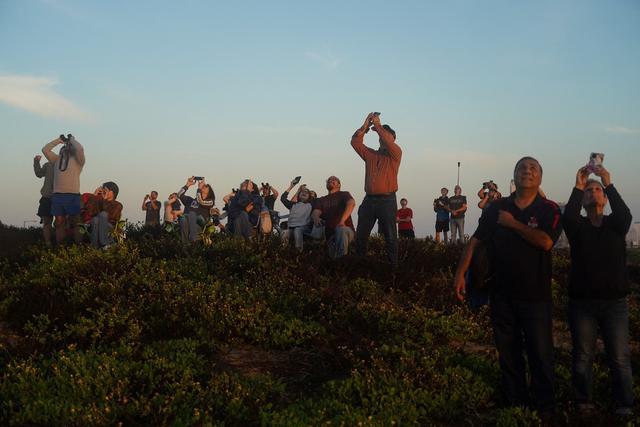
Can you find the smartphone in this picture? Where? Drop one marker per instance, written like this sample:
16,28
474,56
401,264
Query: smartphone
296,180
595,161
198,178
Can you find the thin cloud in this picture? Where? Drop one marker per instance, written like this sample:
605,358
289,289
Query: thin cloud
37,95
294,130
326,59
622,130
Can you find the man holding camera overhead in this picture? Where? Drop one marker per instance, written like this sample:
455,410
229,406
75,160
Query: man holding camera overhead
598,286
380,184
65,200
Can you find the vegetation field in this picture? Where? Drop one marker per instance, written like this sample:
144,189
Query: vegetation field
155,333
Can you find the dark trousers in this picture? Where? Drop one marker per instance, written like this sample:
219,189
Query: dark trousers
612,317
382,209
476,297
520,326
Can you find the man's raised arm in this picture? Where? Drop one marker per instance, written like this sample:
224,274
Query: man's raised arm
47,150
357,140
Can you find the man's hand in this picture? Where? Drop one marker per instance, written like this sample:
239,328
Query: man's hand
375,120
146,197
191,181
581,177
604,175
317,221
98,192
460,286
367,123
37,158
505,219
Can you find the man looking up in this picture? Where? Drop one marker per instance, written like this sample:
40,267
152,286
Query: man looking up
65,200
519,232
151,205
598,287
44,208
380,184
441,208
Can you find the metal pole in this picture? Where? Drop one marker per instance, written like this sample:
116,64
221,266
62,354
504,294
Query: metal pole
458,183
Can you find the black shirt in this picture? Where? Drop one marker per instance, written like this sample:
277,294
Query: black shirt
270,201
152,216
455,203
598,254
522,271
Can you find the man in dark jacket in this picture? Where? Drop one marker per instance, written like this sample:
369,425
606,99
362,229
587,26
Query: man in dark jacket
598,286
244,209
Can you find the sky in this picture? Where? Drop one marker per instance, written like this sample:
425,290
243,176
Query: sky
157,91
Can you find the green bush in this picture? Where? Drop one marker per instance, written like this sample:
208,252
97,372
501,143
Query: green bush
152,332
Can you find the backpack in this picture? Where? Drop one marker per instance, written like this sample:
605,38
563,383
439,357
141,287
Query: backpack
481,270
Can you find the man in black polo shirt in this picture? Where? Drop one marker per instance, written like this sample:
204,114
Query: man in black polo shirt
519,232
598,286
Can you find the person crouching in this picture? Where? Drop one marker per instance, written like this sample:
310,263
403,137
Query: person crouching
105,212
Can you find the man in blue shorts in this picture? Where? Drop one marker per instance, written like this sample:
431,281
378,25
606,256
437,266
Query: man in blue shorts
66,201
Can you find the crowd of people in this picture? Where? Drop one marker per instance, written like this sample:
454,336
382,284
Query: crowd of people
507,262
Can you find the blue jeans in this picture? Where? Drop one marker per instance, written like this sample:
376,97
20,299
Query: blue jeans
298,234
520,326
339,243
476,298
382,209
457,227
189,228
101,230
612,317
242,226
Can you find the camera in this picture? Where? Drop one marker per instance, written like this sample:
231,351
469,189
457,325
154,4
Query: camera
66,139
296,180
595,161
488,185
198,178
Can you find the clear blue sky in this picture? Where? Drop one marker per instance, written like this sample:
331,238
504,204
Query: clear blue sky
158,91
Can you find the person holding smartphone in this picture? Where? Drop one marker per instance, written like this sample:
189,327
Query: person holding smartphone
598,286
197,210
151,205
105,211
380,185
299,223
